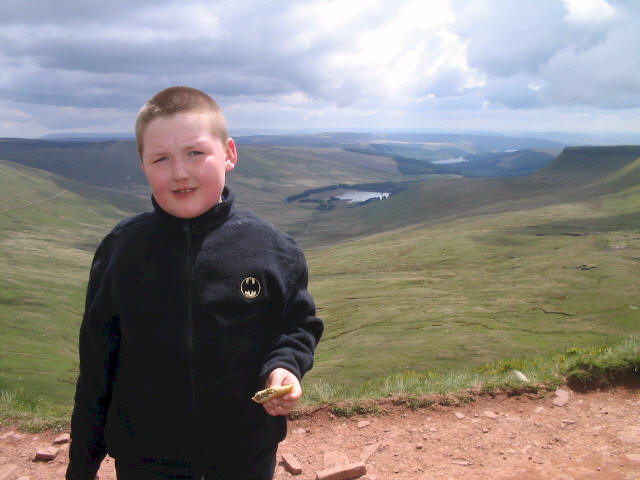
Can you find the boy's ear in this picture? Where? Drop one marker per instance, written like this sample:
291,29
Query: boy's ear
231,155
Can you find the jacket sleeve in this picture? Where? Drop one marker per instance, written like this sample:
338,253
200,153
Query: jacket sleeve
300,330
98,349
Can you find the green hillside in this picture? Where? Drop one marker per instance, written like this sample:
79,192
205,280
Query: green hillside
104,164
590,163
47,237
511,276
450,273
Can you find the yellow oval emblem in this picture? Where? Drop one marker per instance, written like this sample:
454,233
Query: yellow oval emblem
250,287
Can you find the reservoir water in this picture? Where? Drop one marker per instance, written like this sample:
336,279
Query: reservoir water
449,160
357,196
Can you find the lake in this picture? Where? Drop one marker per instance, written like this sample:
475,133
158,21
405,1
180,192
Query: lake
357,196
449,160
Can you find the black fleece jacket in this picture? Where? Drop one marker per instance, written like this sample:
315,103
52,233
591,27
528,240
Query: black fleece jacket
184,320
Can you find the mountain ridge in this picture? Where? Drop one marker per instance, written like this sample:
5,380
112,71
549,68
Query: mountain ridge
576,174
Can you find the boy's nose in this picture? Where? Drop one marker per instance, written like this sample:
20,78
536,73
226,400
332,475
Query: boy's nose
179,169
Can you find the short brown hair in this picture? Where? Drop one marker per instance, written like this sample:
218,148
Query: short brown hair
173,100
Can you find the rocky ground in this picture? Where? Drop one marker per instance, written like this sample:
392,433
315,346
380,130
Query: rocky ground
578,436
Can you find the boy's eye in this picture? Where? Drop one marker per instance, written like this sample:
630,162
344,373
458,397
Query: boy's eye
160,159
193,153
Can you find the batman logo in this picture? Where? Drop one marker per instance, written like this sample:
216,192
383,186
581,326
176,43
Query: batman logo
250,287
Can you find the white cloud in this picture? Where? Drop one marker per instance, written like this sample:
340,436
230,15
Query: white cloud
389,57
535,86
588,11
314,114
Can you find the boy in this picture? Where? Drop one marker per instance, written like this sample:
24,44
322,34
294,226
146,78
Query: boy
190,309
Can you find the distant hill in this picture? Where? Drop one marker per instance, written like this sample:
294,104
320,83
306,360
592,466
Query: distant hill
578,173
434,153
88,137
582,164
559,138
269,174
481,143
362,157
587,139
516,163
112,163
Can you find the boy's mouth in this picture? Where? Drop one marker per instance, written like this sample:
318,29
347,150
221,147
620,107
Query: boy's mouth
184,190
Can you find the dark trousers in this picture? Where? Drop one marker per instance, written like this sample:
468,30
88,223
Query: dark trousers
258,465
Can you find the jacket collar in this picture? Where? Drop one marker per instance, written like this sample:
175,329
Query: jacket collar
211,218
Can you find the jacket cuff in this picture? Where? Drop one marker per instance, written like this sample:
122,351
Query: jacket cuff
270,367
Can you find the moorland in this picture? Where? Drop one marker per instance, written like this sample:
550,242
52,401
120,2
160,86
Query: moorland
492,253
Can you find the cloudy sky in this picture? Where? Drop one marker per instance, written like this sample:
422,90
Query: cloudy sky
486,65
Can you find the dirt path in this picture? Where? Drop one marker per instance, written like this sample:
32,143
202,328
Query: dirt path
29,204
595,435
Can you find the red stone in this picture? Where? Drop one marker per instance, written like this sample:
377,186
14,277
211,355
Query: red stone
291,464
344,472
46,454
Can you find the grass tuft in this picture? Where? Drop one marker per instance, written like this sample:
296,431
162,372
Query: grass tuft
356,409
32,413
604,365
415,403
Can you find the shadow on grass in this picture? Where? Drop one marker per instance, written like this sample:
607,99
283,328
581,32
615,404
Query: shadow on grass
585,226
629,378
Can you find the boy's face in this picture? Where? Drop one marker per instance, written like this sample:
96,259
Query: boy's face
185,164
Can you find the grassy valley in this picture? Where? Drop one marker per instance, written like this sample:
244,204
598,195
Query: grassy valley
266,176
468,292
47,236
449,275
50,225
496,269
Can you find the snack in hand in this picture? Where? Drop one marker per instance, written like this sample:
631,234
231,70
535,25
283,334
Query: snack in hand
272,392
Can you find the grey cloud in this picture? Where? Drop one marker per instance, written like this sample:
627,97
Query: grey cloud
47,12
251,58
507,38
514,92
449,83
606,76
113,55
520,43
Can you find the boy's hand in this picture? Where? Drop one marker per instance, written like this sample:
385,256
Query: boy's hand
282,405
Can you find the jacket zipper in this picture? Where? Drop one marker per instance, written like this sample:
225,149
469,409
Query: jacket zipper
190,325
